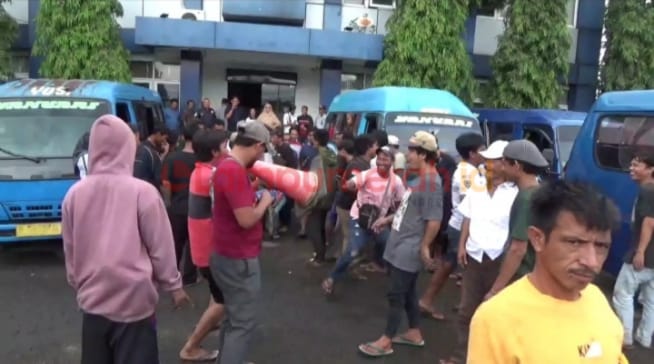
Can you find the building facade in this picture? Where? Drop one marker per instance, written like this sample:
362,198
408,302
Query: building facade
301,52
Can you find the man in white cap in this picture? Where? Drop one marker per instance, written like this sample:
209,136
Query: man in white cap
484,231
399,165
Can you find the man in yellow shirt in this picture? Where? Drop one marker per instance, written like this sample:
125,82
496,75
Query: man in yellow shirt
554,314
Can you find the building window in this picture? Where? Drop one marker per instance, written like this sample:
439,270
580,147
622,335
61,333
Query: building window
382,3
571,11
141,69
352,81
372,3
482,91
563,99
619,137
354,2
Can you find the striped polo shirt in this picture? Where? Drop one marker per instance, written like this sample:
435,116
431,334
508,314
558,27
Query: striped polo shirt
199,214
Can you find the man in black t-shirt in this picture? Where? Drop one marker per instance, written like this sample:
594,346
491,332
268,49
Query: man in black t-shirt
176,176
147,165
638,268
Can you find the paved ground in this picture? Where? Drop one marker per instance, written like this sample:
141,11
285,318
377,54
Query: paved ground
40,324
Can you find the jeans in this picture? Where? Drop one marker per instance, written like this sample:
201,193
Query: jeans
357,240
402,296
240,282
624,291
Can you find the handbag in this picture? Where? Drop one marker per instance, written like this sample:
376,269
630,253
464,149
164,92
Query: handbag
369,213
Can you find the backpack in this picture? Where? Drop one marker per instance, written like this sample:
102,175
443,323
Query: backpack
327,163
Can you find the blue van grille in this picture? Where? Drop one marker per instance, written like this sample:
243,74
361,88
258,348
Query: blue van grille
35,211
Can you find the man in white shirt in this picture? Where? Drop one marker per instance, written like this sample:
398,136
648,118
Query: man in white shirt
321,118
484,232
466,177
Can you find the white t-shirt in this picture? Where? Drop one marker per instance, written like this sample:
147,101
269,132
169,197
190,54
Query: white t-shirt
83,165
466,176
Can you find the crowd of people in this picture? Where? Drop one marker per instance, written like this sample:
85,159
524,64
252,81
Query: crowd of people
145,218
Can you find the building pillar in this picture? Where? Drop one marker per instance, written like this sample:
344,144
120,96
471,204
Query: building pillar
33,7
330,80
190,78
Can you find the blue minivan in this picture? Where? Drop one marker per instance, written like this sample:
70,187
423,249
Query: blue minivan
617,124
41,121
401,111
553,131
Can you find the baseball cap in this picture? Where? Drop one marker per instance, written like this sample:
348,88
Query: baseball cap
386,150
393,140
424,140
495,150
525,151
255,130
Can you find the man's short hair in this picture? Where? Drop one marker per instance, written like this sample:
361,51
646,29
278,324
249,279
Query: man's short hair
189,130
206,141
362,143
468,143
348,146
589,207
321,136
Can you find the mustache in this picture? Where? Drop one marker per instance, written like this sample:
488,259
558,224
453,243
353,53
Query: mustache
586,272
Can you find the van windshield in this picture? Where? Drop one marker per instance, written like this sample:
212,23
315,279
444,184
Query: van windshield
446,127
566,139
46,127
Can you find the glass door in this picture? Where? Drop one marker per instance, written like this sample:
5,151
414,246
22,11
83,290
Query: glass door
167,90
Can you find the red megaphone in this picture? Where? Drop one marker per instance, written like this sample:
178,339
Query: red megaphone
303,187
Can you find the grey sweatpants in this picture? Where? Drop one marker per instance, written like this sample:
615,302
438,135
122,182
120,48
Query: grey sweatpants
240,282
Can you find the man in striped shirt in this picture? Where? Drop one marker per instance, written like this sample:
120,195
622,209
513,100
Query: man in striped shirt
209,146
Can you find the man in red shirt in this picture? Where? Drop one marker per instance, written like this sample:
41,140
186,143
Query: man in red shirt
237,235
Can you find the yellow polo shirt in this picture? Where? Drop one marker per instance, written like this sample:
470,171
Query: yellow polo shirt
523,326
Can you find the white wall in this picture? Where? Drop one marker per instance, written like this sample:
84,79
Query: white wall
174,8
307,91
18,9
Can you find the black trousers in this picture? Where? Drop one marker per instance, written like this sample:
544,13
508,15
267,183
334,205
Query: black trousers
108,342
316,232
179,225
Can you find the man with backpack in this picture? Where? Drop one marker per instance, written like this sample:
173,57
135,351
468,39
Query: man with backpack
325,164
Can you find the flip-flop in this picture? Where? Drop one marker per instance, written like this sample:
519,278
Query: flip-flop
208,356
374,351
402,340
327,286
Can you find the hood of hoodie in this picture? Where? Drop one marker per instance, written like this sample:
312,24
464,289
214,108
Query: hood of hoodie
112,148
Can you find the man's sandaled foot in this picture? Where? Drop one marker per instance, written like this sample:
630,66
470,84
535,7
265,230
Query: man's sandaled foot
403,340
199,355
328,286
372,350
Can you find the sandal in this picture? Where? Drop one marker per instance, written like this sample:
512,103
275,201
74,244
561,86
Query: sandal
374,351
431,313
403,340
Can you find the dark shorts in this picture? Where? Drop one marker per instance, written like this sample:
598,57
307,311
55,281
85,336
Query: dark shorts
107,342
216,293
453,236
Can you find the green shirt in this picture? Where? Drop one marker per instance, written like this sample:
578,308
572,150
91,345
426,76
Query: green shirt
518,225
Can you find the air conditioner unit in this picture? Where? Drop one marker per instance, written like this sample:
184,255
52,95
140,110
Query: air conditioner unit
188,14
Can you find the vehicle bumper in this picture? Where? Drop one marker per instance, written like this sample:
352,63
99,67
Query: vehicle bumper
11,232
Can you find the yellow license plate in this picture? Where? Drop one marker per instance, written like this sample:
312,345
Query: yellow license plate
34,230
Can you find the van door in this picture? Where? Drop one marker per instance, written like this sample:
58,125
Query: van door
147,115
501,130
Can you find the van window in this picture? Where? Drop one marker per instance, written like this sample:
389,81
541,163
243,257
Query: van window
340,122
373,122
541,135
619,137
122,111
500,131
147,115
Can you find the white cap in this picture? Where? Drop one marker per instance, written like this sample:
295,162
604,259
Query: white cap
495,150
393,140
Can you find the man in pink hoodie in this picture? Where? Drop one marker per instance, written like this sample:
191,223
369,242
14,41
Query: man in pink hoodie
119,249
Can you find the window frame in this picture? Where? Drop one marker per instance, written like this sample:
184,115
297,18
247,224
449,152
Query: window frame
621,146
369,4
